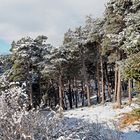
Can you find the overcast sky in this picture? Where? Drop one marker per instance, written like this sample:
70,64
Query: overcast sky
52,18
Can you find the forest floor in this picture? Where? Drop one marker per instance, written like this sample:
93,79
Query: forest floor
107,115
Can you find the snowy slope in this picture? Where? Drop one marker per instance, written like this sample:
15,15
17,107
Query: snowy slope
107,115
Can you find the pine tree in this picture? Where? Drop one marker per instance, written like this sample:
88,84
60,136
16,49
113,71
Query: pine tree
27,57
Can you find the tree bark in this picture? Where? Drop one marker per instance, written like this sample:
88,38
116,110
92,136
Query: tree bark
76,93
76,98
83,94
86,81
116,83
88,93
31,92
70,94
98,83
29,83
108,84
129,91
84,73
60,91
102,79
119,103
40,94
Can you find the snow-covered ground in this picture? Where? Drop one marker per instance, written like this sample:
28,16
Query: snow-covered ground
107,115
98,122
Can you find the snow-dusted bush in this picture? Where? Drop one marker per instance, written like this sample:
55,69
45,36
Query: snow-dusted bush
44,124
16,123
75,129
12,102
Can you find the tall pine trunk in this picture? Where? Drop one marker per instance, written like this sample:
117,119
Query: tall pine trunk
29,85
83,94
60,91
119,103
75,92
88,93
86,81
40,96
108,84
116,82
70,94
98,83
129,91
31,92
102,80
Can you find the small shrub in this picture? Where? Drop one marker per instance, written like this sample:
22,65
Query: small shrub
136,112
128,119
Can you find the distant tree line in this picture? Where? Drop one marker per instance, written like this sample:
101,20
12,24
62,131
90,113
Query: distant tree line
100,59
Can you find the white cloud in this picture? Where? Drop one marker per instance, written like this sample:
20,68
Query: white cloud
19,18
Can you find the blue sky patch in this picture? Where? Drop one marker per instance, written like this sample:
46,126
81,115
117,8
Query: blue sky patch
4,47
